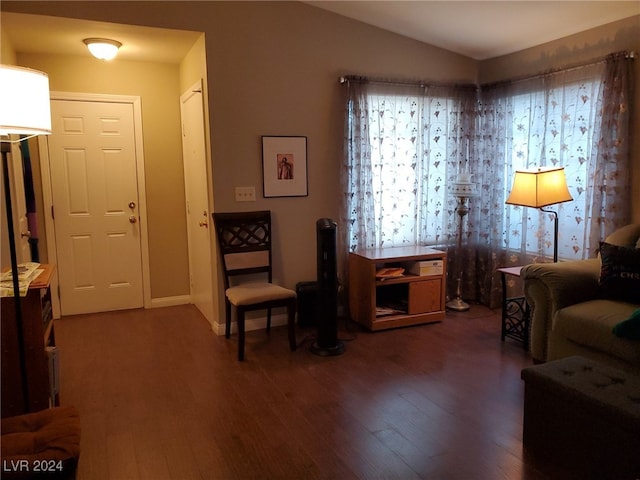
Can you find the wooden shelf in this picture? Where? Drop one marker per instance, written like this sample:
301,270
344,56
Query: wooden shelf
405,279
424,296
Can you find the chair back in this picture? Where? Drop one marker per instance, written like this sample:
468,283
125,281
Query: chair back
244,240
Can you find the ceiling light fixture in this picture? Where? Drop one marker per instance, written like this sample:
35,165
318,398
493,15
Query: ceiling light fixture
102,48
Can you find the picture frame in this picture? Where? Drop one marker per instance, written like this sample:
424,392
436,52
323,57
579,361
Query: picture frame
284,166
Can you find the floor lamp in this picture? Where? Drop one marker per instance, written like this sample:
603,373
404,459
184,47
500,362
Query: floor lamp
538,189
25,111
463,189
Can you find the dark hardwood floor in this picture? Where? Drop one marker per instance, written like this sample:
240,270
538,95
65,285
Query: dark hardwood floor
160,396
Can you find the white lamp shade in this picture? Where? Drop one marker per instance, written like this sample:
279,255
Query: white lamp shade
102,48
24,101
463,187
539,188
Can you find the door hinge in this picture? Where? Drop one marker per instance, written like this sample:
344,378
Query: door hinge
53,216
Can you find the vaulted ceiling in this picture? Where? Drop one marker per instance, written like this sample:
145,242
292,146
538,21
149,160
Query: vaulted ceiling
484,29
478,29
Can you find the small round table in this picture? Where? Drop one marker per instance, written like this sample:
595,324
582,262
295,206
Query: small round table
515,310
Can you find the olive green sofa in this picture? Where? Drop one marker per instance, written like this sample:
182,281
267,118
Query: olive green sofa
573,315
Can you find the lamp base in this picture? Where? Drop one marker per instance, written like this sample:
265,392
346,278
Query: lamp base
457,304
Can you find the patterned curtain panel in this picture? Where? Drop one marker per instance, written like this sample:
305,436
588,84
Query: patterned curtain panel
406,144
576,119
609,207
403,148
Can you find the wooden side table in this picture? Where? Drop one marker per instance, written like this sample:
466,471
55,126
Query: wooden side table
37,334
415,299
515,310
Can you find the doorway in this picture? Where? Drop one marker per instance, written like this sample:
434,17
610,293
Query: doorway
94,188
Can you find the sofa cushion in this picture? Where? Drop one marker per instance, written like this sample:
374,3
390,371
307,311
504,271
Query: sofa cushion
627,236
629,328
591,324
620,272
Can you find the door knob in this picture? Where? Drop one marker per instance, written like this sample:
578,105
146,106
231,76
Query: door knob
26,234
204,223
132,205
132,219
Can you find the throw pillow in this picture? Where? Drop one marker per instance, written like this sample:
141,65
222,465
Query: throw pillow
620,272
629,328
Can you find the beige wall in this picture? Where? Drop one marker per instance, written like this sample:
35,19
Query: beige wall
272,69
568,51
158,86
7,52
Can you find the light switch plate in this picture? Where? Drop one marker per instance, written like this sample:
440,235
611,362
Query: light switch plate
245,194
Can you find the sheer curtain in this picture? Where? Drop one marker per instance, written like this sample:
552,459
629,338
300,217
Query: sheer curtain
405,145
576,119
402,145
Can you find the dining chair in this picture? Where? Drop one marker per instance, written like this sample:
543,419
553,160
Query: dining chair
244,241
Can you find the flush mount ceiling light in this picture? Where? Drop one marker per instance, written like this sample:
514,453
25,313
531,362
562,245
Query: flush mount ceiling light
102,48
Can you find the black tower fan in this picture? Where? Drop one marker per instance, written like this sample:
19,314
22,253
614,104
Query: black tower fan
327,342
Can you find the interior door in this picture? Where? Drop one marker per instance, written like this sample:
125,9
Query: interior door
197,192
18,208
92,160
19,205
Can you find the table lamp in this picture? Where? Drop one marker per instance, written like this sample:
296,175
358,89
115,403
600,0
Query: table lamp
538,189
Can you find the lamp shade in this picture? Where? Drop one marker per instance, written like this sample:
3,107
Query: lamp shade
463,187
24,101
102,48
539,188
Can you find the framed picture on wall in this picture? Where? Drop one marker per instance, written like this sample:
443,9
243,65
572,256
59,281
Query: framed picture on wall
284,166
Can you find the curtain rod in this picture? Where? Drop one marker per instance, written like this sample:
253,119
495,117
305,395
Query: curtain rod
359,79
409,83
423,84
629,55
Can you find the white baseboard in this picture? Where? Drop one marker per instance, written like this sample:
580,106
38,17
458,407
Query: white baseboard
170,301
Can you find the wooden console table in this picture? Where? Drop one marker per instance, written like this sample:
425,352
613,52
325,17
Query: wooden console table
37,335
380,304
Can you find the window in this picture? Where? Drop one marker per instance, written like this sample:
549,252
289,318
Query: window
404,146
553,127
410,141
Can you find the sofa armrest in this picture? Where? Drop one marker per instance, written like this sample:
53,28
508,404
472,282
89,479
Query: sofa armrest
549,287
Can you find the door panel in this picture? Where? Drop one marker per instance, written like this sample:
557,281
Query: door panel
93,179
197,193
19,205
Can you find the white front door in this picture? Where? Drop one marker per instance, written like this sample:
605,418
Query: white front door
92,160
199,221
